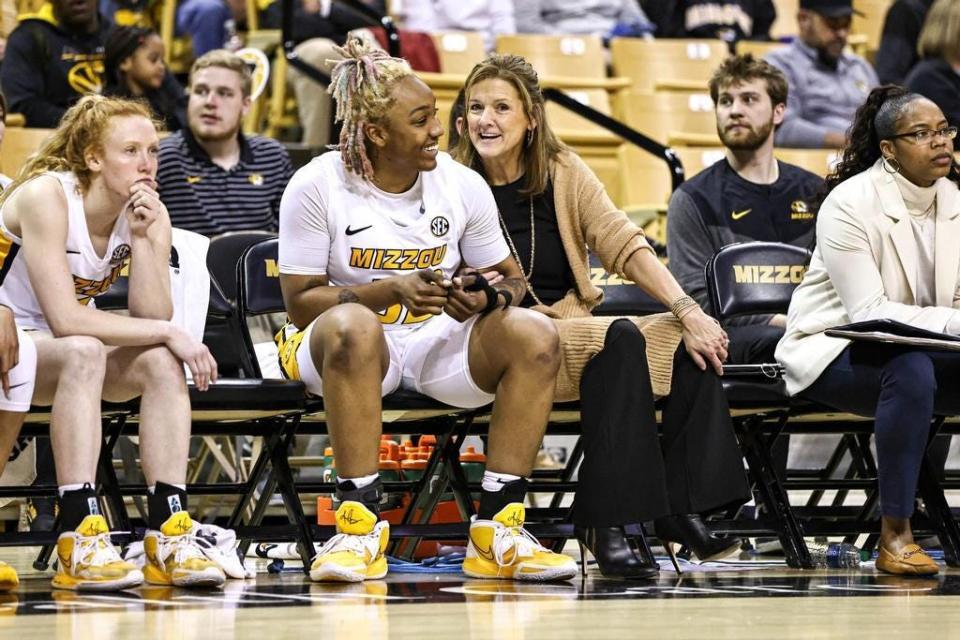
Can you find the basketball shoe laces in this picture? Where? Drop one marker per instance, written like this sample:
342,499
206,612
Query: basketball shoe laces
361,544
183,547
519,540
96,550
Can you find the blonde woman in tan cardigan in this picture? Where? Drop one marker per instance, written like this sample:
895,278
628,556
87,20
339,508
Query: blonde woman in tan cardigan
553,210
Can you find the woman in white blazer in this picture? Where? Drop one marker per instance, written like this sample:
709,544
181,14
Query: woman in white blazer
888,246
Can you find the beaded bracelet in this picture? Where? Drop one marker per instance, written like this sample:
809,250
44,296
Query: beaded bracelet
682,305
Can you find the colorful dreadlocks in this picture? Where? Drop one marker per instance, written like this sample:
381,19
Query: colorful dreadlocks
362,86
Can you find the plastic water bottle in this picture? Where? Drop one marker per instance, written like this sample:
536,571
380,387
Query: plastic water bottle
836,555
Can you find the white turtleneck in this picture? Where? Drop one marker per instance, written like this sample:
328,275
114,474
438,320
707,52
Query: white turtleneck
921,203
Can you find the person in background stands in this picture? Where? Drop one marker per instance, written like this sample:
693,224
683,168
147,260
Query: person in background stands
489,17
897,54
53,59
827,83
937,76
213,178
747,196
605,18
135,69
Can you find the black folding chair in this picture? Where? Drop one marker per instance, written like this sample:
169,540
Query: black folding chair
754,278
259,293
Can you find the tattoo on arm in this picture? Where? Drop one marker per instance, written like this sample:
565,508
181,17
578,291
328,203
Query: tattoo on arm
346,296
515,286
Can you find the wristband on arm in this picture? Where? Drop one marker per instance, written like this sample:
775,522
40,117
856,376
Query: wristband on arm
481,284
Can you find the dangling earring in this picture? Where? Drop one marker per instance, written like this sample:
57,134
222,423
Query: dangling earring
890,165
529,137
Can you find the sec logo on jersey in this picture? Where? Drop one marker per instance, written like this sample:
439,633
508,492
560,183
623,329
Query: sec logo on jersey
439,226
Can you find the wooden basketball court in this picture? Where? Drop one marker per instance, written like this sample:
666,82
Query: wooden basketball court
740,599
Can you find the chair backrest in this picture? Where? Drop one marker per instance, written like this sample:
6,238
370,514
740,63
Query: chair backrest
620,297
785,24
645,181
667,65
569,56
18,144
751,278
258,280
224,254
567,124
818,161
459,51
672,118
758,48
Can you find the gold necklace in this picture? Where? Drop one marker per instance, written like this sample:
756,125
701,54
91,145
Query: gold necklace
527,275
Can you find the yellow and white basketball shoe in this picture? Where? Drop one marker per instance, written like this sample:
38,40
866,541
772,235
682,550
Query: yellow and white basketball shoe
8,577
356,552
502,548
88,561
174,557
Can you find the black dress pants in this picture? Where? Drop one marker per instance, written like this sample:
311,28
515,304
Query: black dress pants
628,475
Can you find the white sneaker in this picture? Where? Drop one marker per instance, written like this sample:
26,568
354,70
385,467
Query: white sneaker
175,558
88,561
357,552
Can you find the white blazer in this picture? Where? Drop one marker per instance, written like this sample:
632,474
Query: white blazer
864,268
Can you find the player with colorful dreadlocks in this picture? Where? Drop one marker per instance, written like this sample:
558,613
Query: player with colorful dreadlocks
381,250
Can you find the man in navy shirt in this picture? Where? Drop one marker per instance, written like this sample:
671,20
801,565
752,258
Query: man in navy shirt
747,196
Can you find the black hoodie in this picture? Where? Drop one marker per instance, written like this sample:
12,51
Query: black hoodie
47,68
728,20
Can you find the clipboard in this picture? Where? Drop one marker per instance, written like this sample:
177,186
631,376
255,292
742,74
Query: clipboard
894,332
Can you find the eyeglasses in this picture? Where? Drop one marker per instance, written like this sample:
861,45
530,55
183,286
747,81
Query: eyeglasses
926,136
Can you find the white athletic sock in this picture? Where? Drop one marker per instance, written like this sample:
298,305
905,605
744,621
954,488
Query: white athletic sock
62,489
493,481
362,481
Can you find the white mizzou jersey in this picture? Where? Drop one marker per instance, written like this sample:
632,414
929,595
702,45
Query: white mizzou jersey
92,275
334,223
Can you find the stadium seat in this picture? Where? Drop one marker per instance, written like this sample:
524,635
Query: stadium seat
818,161
666,65
178,49
785,25
757,48
570,56
673,118
646,179
459,51
19,144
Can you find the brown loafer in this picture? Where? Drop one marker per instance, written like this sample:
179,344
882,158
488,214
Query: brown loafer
912,560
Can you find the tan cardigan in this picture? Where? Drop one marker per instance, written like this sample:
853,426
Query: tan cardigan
587,218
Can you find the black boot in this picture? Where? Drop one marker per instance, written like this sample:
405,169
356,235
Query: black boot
690,531
614,554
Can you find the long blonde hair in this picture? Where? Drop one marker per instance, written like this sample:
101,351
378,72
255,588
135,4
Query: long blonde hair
543,147
82,128
362,86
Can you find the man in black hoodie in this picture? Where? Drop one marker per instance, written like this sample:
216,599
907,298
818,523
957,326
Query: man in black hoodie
729,20
53,59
